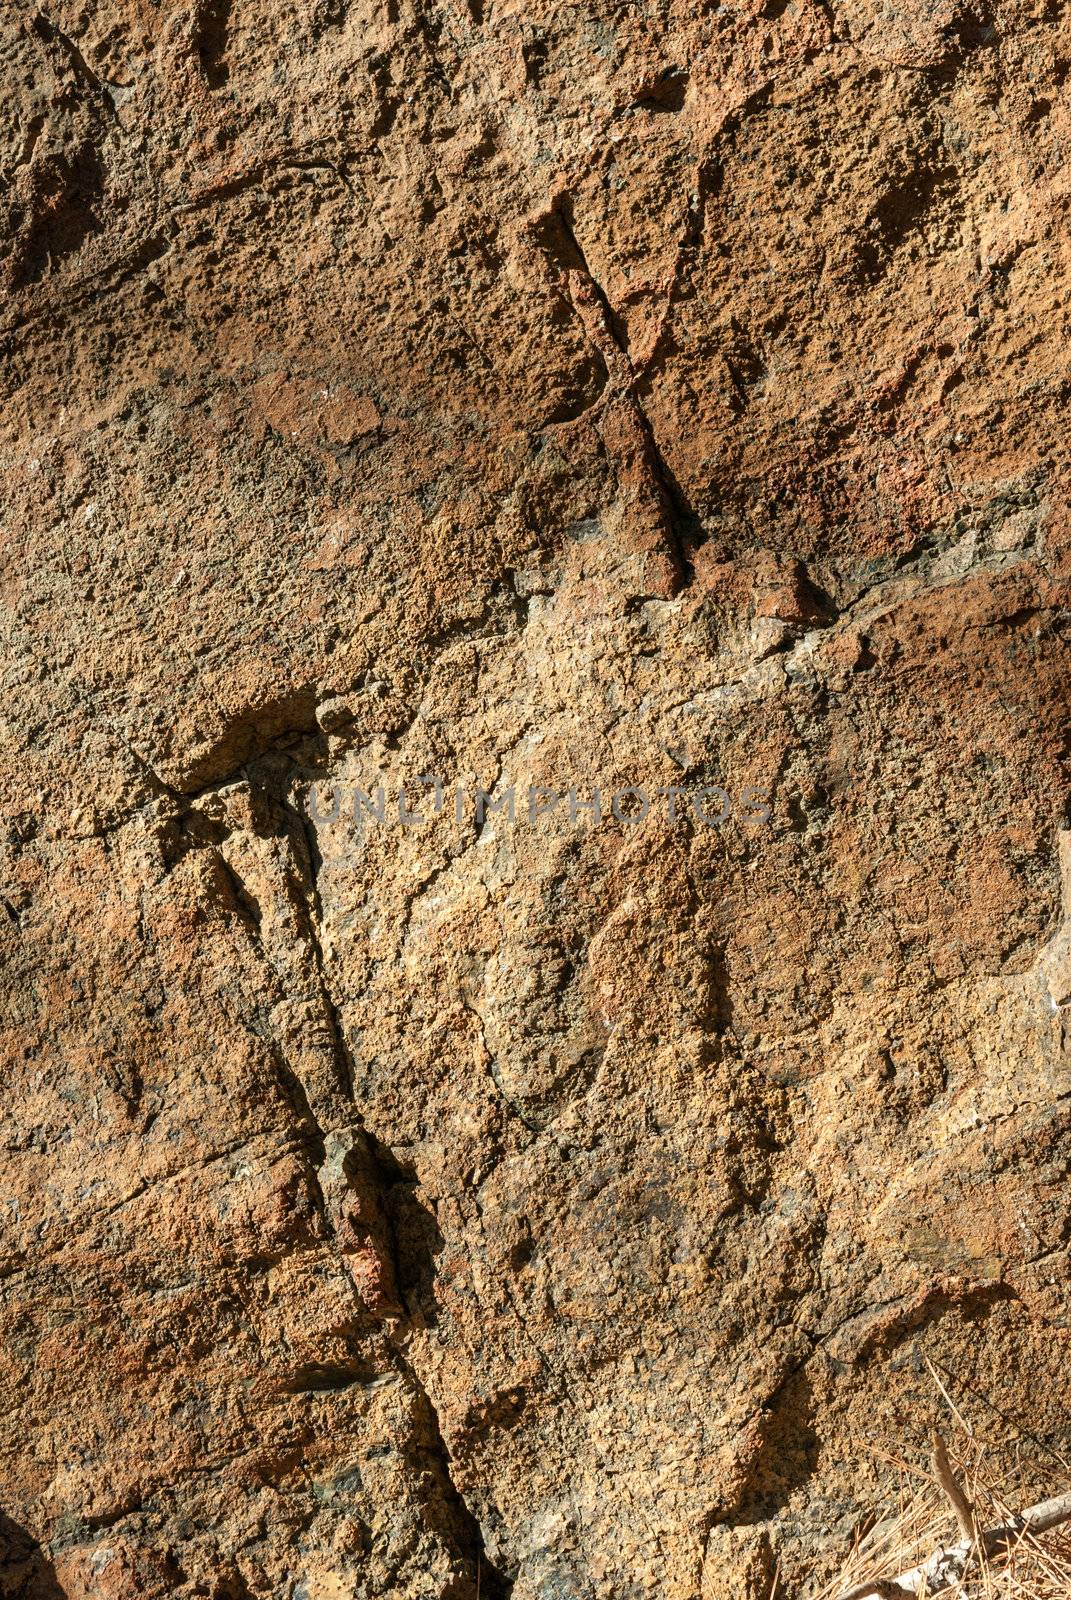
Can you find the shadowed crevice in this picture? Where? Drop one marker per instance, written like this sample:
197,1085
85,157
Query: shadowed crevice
26,1571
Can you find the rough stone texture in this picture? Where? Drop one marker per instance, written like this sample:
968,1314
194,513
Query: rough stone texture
591,395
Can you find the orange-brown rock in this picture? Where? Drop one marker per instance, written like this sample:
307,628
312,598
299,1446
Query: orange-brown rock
657,412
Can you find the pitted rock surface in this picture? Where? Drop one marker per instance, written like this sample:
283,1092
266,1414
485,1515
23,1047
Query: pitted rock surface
544,1197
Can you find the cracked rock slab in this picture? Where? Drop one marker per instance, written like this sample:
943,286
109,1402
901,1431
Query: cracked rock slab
535,799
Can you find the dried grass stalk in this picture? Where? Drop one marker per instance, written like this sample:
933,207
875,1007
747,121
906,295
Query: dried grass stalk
1019,1556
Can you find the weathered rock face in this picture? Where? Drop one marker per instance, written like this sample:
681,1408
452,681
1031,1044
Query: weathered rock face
539,400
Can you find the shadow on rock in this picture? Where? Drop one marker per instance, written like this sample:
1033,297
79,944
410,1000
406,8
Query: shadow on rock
26,1572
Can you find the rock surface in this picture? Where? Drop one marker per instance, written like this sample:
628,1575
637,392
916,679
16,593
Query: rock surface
551,398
